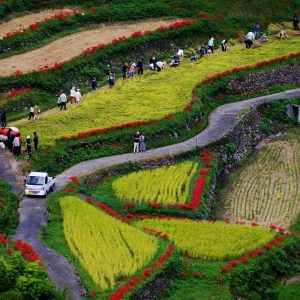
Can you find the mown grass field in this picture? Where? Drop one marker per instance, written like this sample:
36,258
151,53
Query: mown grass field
166,185
107,248
210,241
149,97
266,189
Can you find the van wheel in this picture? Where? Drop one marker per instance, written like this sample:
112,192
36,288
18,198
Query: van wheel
46,194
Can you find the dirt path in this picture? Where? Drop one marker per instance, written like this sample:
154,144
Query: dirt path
23,22
9,171
68,47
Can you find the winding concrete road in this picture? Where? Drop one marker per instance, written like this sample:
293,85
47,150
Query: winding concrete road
33,211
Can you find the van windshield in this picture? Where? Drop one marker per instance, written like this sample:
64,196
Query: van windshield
35,180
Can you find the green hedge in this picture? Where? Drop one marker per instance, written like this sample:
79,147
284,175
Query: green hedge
260,278
9,203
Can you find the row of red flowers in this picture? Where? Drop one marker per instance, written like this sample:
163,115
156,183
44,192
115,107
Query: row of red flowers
198,188
276,242
27,250
121,292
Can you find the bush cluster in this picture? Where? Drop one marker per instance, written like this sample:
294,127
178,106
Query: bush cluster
8,209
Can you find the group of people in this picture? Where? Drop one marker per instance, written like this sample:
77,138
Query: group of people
75,97
14,143
34,111
139,142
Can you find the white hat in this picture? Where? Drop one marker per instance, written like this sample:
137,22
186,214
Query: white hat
28,136
134,64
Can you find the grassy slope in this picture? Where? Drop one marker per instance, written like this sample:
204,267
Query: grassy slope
8,209
273,197
149,97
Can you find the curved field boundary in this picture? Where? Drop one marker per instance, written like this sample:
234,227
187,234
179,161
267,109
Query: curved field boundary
71,46
221,123
33,211
23,22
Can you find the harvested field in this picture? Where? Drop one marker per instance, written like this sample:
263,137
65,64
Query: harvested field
23,22
267,189
68,47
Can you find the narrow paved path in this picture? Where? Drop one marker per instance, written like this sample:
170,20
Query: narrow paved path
33,211
221,122
33,214
68,47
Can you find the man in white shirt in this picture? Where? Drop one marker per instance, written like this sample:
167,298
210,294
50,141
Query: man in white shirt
77,96
31,112
63,100
16,146
180,52
160,65
211,45
250,37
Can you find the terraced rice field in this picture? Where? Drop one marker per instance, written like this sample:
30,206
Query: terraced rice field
267,189
211,241
167,185
107,248
136,99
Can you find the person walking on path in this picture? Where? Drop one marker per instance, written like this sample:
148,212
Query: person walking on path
36,111
256,29
136,142
250,37
28,146
3,119
78,96
35,141
140,66
131,70
142,144
72,95
224,45
16,146
94,85
295,20
124,71
31,112
211,45
63,100
111,79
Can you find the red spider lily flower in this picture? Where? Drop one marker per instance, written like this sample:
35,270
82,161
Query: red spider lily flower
168,116
251,254
129,204
204,15
280,239
259,251
188,107
196,274
204,172
273,227
287,234
9,251
244,260
137,34
254,224
226,269
18,73
268,246
281,229
93,293
234,262
275,243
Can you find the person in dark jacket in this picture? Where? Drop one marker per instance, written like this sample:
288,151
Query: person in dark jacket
10,138
94,85
35,141
295,20
153,61
3,119
136,142
28,145
140,66
124,71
